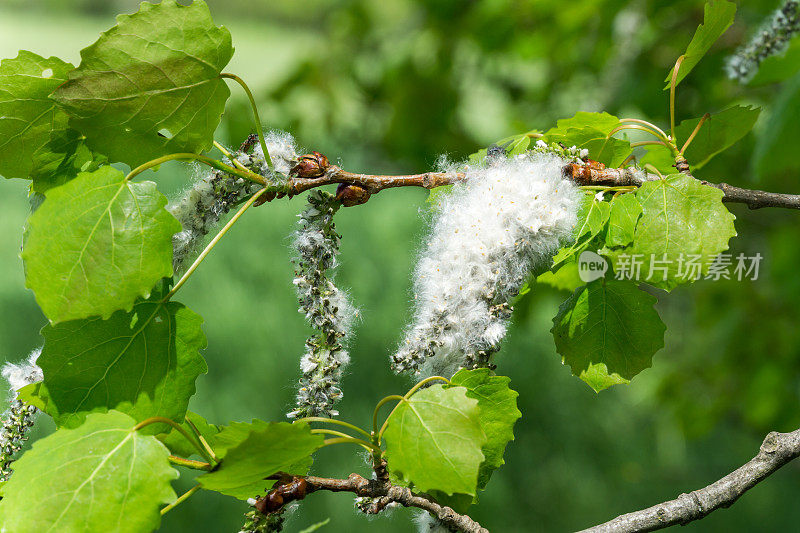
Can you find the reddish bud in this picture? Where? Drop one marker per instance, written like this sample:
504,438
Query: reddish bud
594,165
266,197
270,503
351,195
311,165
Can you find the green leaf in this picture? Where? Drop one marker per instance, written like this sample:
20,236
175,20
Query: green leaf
460,503
566,278
601,121
625,212
96,244
32,395
717,133
610,151
682,220
592,217
178,444
773,155
660,157
513,145
434,440
518,146
252,452
102,476
497,409
143,362
314,527
612,323
598,378
34,135
150,85
436,196
590,131
60,170
718,17
778,68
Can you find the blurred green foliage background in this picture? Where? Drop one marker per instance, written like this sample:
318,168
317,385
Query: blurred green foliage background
390,86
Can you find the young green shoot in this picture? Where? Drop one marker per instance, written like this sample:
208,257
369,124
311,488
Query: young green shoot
672,85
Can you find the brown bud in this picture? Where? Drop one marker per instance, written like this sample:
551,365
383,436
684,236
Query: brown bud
351,195
311,165
266,197
294,490
269,503
681,164
587,173
594,165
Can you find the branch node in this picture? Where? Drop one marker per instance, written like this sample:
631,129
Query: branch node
770,444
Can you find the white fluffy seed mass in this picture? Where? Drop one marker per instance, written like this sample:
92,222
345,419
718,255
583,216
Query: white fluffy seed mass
212,196
283,152
19,375
491,232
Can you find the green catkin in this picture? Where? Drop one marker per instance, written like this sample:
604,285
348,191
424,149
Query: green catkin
771,39
326,308
18,420
16,424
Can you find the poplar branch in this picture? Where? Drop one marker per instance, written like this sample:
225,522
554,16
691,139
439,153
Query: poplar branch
383,492
375,183
581,174
776,450
754,199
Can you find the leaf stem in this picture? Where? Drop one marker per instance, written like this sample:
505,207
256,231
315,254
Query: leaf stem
672,85
645,143
694,132
179,429
227,154
183,497
219,165
341,434
333,421
650,125
375,435
605,188
360,442
330,432
422,383
652,167
201,438
259,129
190,463
640,128
213,243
